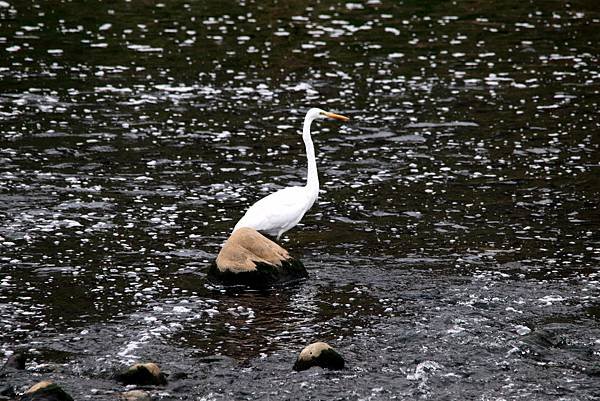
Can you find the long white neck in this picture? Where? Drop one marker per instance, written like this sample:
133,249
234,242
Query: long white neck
312,179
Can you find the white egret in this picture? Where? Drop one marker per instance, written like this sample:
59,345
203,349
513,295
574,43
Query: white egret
282,210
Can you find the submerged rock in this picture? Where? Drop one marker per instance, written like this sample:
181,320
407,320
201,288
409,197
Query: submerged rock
319,354
142,374
135,395
16,361
45,391
249,258
7,392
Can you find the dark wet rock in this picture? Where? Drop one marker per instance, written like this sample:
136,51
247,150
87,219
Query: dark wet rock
249,258
177,376
545,338
142,374
594,371
45,391
16,361
547,343
319,354
135,395
7,392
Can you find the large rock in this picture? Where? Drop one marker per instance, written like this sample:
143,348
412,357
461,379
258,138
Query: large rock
45,391
249,258
142,374
319,354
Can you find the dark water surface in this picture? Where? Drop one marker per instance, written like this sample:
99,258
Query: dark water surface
454,252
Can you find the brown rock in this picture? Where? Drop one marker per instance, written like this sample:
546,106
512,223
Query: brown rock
245,248
250,258
135,395
319,354
142,374
36,387
45,391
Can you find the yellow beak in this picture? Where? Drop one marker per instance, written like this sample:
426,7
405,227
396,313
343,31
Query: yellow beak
336,116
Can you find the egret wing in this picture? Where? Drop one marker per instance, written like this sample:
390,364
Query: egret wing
276,211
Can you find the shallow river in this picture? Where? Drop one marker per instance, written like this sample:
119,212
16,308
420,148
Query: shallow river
454,251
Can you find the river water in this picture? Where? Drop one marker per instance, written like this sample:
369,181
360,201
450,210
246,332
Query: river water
453,252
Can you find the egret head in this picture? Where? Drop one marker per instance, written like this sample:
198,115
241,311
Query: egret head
319,114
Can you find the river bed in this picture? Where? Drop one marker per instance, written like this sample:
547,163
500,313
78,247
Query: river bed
453,252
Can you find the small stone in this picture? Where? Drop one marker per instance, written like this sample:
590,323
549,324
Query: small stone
319,354
135,395
522,330
142,374
251,259
45,391
16,361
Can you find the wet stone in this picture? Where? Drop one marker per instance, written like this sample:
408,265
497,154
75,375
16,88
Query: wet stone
142,374
135,395
7,392
545,338
45,391
319,354
249,258
16,361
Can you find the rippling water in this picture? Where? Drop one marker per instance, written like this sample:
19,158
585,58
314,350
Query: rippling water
453,252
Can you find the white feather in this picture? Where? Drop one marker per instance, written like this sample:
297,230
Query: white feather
282,210
278,212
